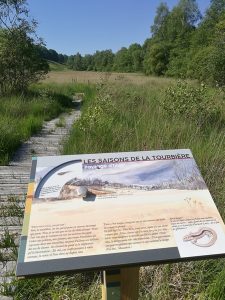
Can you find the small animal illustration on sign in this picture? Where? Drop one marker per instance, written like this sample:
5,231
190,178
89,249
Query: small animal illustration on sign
201,233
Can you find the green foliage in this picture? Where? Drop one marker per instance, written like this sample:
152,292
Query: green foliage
98,115
20,64
200,64
52,55
208,65
190,11
54,66
88,62
13,13
162,14
191,103
156,59
77,62
171,38
123,61
215,289
177,66
103,60
61,122
182,47
20,117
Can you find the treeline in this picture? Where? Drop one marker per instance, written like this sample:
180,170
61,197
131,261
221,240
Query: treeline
125,60
186,44
53,55
183,43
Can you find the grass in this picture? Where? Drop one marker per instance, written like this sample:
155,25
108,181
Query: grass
54,66
126,117
79,287
91,77
61,122
22,116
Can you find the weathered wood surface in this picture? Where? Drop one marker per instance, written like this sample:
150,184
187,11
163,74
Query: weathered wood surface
14,180
120,284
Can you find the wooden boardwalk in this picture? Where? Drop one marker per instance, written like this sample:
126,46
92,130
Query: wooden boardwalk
14,179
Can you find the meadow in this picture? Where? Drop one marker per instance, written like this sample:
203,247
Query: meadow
91,77
147,114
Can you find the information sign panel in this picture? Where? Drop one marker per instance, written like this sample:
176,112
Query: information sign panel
98,211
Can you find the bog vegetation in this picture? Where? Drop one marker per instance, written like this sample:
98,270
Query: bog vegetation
126,113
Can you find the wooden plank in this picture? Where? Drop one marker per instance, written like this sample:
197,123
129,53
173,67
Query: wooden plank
15,229
13,197
7,268
10,221
111,284
129,283
120,284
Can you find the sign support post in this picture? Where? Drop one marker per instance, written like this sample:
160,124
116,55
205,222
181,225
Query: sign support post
120,284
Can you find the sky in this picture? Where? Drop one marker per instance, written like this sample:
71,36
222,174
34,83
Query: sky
84,26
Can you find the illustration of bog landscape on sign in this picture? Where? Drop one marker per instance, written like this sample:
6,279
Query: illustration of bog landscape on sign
104,210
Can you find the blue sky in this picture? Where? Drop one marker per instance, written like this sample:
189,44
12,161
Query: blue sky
84,26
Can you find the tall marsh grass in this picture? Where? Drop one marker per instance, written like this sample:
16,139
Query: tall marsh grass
22,116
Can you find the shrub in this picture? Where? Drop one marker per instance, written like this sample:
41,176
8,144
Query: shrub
20,63
190,102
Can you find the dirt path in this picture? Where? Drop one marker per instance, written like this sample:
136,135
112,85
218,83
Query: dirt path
13,187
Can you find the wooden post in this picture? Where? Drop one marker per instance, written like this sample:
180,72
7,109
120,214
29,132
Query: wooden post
120,284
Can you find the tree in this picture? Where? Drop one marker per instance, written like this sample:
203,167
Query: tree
88,62
181,21
172,32
162,13
136,57
20,60
13,14
207,50
157,58
20,63
70,61
61,58
77,62
43,52
123,61
65,58
53,55
215,10
219,53
190,12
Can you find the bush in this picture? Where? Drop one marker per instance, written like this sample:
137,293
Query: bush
20,63
190,102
